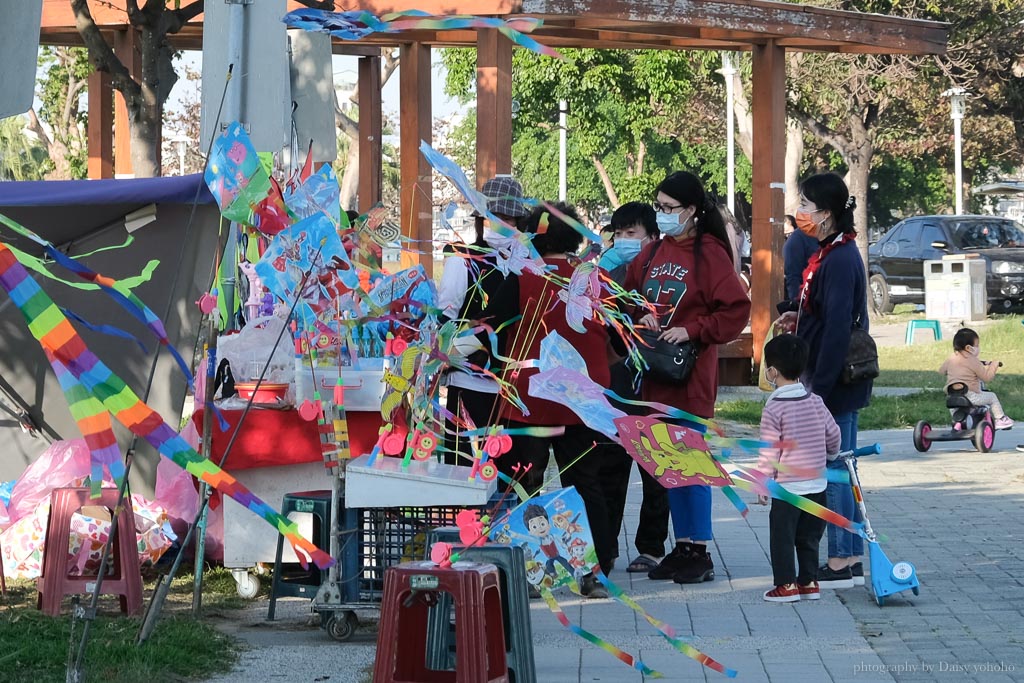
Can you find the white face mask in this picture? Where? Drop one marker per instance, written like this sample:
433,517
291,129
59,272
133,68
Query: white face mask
973,350
773,381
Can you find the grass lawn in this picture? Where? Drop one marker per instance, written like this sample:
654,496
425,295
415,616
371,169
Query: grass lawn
35,646
917,367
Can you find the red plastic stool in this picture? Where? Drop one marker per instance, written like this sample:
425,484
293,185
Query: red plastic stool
54,584
410,589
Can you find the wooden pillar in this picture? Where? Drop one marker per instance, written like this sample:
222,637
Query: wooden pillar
101,126
370,130
127,50
416,123
769,190
493,105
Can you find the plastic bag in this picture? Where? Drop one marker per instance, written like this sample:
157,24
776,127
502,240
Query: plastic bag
247,353
64,463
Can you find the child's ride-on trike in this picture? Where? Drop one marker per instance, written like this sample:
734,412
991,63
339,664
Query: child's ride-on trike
969,422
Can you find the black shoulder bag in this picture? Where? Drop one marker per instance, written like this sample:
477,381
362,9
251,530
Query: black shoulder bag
666,362
861,362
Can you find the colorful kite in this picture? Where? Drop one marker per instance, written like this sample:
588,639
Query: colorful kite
235,175
675,456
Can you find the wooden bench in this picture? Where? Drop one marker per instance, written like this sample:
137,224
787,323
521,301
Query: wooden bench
736,361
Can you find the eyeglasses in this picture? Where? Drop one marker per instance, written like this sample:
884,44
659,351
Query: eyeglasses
666,208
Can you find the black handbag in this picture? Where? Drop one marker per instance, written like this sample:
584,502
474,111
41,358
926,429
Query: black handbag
666,362
861,362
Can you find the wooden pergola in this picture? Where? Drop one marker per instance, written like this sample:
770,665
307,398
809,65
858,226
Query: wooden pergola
765,28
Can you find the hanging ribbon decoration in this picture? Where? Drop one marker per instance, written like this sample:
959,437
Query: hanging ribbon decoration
60,340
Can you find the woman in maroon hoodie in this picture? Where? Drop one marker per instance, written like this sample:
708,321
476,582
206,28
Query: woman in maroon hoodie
688,275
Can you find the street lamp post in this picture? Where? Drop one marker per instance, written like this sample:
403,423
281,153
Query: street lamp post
563,180
728,71
957,100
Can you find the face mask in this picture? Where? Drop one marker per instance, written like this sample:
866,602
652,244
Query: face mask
974,350
773,382
627,248
669,224
806,224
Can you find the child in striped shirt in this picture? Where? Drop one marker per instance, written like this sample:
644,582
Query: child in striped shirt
792,413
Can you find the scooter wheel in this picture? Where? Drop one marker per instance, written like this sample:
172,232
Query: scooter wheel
921,441
880,599
984,436
916,590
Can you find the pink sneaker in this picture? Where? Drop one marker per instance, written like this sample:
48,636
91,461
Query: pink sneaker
1004,423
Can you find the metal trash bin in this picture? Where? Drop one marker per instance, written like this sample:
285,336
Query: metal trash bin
954,288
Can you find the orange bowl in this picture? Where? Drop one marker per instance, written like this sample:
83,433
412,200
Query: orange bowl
266,393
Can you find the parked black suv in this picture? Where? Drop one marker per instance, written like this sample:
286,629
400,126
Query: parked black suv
896,262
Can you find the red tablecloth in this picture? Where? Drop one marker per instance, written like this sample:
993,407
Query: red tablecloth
270,438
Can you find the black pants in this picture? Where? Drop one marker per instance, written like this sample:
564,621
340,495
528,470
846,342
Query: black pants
792,528
583,473
480,408
652,529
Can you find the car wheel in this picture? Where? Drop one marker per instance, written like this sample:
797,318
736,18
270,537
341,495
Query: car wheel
880,294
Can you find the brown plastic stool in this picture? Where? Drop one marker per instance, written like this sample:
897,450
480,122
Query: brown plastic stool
410,589
54,584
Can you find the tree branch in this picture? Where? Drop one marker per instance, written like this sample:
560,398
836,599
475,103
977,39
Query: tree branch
177,18
606,181
318,4
101,55
822,132
36,126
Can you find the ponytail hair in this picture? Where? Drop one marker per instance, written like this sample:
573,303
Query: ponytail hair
829,193
686,189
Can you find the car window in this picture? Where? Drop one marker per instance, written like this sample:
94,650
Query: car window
931,233
890,243
986,234
910,239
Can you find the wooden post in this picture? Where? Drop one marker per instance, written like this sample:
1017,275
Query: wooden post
101,126
769,196
493,105
416,123
127,50
370,130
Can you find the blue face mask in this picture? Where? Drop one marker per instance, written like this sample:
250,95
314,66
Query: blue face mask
669,224
628,248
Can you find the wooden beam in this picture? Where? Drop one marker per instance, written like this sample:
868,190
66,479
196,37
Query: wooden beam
371,179
416,192
101,126
769,127
127,50
493,105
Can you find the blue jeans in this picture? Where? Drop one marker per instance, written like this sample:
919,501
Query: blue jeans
690,506
839,497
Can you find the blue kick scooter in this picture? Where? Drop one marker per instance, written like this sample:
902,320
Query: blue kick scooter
886,578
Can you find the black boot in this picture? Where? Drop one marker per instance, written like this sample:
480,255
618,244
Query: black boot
672,563
698,567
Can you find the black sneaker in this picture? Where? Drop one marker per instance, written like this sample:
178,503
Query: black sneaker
671,563
698,568
835,578
591,588
858,573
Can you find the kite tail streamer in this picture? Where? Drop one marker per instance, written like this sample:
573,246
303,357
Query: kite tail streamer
735,499
59,339
621,655
665,629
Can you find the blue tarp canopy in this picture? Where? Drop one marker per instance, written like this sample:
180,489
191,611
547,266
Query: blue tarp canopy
66,211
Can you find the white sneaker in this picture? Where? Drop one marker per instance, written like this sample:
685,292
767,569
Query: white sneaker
1004,423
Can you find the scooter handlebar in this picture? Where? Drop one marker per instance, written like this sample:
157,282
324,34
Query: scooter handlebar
873,449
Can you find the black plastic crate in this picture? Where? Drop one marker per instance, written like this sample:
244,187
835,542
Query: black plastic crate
390,536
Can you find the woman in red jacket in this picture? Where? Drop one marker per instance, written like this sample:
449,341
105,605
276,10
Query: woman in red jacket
688,275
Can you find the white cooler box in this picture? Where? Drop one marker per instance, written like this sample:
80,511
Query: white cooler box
364,388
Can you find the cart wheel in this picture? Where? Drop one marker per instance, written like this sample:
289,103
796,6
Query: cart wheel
247,586
984,436
342,627
921,441
916,590
880,599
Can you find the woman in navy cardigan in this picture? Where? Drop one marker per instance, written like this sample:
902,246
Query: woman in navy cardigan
832,301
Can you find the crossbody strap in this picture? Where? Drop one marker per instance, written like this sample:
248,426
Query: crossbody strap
650,259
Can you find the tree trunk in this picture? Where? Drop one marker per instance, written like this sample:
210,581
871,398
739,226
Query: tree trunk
606,180
744,119
857,178
794,159
145,136
350,179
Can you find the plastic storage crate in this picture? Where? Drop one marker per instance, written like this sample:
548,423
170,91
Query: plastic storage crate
390,536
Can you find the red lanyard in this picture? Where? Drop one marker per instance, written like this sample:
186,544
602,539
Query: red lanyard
814,263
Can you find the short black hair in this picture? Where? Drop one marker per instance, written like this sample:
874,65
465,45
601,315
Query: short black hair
559,237
533,511
787,353
352,217
965,337
636,213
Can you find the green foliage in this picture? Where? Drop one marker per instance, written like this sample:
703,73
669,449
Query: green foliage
20,157
65,78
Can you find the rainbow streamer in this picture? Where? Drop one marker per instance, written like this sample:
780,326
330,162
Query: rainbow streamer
115,289
665,629
758,482
628,659
60,340
94,422
735,499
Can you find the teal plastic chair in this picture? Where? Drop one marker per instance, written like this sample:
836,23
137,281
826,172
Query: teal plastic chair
915,325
